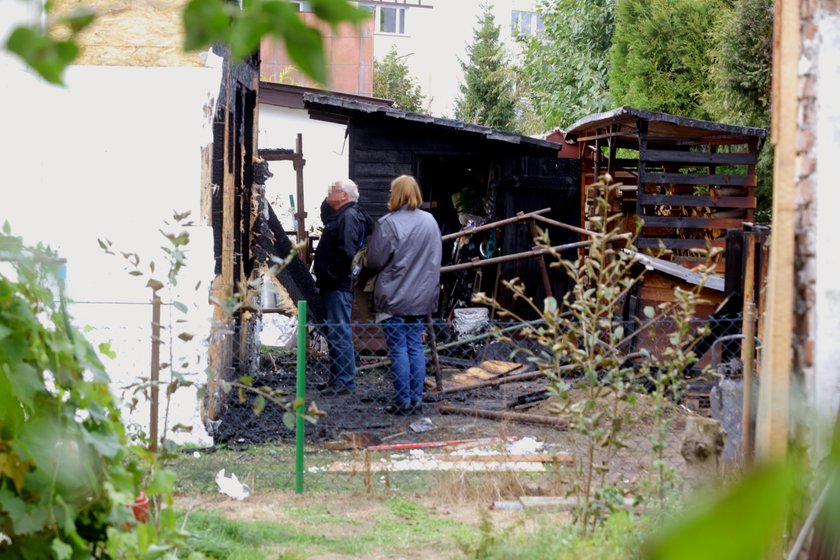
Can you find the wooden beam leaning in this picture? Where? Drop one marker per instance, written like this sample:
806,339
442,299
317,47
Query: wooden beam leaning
221,342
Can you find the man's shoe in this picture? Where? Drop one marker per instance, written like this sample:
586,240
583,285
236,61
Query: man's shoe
399,409
417,408
322,386
336,391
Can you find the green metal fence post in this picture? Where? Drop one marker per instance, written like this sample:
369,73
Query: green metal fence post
300,395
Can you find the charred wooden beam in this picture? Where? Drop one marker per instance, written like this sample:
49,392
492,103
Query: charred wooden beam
696,158
699,179
557,422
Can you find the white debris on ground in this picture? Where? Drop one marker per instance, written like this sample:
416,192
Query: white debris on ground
230,486
278,330
461,460
470,321
524,446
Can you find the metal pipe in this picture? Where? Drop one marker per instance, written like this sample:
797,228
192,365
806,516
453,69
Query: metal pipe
575,229
524,255
518,218
300,396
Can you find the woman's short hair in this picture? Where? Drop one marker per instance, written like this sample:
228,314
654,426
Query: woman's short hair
348,186
405,193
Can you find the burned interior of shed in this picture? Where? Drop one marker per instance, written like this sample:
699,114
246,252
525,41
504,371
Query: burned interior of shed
470,176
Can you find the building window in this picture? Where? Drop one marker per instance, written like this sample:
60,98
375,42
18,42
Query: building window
525,23
390,20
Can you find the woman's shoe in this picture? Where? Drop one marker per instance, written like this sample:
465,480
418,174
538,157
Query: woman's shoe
399,409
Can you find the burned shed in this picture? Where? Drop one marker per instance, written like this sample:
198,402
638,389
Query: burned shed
470,175
689,180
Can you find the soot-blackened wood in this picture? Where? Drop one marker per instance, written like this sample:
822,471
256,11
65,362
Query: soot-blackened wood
699,179
696,158
698,201
695,223
678,244
273,241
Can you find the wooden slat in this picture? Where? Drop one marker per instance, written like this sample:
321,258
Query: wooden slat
698,179
697,201
626,162
703,223
677,244
696,158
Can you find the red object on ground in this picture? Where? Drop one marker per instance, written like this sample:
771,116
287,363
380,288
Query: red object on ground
140,507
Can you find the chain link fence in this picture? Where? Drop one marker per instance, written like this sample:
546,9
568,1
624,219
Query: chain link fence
488,425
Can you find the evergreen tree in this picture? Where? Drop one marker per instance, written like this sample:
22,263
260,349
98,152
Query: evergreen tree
567,64
661,54
391,80
741,71
742,64
487,95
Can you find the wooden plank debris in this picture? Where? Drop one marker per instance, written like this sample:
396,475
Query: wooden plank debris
431,464
556,421
558,503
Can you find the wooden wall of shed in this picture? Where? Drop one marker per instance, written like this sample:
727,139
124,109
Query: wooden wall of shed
531,178
137,33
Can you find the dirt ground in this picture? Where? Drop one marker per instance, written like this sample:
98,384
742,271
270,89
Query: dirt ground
363,413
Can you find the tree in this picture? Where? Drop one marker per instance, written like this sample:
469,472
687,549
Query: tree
741,71
487,91
391,80
742,64
566,66
50,50
660,55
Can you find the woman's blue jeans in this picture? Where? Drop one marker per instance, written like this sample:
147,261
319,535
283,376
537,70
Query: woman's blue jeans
408,364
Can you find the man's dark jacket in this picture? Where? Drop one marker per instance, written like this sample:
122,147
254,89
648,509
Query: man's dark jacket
345,232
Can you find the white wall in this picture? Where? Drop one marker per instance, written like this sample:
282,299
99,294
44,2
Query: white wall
324,149
111,156
825,386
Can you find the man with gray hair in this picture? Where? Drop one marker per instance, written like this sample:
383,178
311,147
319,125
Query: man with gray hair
346,227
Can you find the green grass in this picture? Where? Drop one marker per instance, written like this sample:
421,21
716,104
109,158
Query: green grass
620,538
406,526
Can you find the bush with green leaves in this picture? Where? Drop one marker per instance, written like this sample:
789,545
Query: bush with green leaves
68,474
583,346
566,66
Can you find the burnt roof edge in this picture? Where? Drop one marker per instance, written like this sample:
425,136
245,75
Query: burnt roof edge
322,102
620,113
